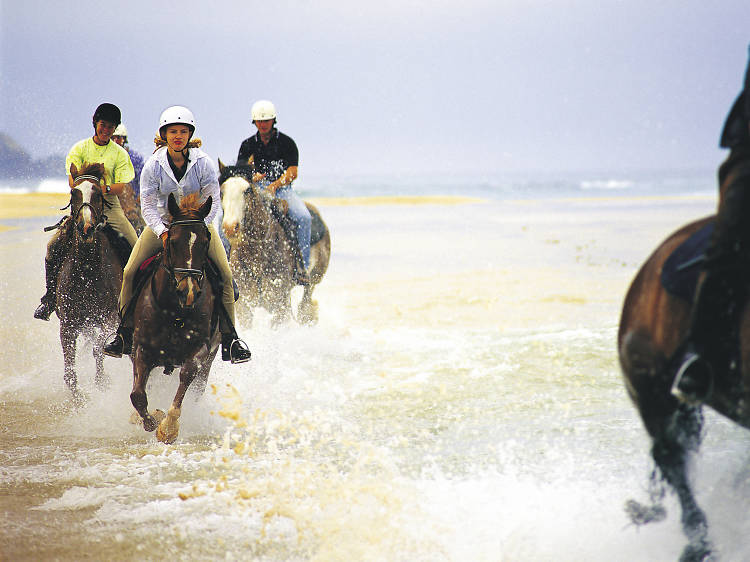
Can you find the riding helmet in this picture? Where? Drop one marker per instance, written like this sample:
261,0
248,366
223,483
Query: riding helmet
176,114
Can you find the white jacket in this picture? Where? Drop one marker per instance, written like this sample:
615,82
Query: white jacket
158,181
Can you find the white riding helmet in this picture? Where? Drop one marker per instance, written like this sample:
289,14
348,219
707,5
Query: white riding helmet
263,110
176,114
120,131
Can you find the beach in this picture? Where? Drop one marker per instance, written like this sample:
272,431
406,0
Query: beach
459,399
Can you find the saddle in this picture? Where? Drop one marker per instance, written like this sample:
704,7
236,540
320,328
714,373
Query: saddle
149,265
680,272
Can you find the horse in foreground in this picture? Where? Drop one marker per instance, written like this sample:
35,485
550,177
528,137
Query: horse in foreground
176,316
90,276
262,258
653,324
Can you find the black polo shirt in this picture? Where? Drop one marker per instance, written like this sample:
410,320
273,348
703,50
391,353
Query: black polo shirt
271,159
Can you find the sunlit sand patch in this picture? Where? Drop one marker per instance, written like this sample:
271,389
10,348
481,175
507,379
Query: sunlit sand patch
396,200
17,205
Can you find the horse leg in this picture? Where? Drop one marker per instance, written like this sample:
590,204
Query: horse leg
307,312
101,379
68,343
674,437
170,426
138,398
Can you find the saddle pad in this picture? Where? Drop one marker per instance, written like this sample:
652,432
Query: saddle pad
680,272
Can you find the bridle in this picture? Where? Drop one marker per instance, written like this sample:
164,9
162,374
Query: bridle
196,274
98,213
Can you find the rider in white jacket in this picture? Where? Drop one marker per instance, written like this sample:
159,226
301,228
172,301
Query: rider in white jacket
180,168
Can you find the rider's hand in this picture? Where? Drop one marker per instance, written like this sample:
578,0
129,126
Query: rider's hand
257,177
164,235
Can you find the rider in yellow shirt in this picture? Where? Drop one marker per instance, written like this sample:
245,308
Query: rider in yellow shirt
118,172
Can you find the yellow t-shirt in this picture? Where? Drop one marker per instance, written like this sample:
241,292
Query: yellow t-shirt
117,165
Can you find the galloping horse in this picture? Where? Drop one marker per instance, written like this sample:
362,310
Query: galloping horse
176,315
654,323
90,276
262,258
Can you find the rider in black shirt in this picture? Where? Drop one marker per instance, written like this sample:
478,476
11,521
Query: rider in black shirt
275,158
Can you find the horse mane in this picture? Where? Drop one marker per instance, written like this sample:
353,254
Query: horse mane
190,202
95,169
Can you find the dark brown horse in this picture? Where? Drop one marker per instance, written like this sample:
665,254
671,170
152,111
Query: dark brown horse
176,316
262,258
654,323
90,276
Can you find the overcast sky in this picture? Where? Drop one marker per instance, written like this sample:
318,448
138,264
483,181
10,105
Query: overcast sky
391,86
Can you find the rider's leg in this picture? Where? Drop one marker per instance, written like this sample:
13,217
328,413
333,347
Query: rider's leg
232,347
298,230
717,302
145,247
56,248
117,219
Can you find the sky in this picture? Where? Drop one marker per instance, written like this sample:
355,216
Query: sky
404,87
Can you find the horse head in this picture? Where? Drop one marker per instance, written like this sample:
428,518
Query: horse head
186,250
243,201
86,199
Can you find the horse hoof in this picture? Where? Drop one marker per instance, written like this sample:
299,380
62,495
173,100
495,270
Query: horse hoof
168,435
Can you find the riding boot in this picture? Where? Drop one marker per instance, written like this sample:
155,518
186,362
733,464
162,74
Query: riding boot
232,347
122,343
708,344
301,275
47,307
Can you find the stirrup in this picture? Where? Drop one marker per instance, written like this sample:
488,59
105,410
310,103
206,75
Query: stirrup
694,381
236,352
116,347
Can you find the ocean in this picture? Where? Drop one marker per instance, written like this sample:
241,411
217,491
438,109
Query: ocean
460,398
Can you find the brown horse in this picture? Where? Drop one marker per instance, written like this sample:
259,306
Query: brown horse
262,258
176,316
654,323
90,276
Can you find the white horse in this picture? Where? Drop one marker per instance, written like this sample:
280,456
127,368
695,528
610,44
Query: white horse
262,258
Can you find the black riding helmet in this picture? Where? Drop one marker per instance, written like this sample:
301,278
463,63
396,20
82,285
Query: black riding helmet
107,112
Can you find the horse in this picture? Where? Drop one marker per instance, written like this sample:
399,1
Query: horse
653,325
262,257
176,316
89,280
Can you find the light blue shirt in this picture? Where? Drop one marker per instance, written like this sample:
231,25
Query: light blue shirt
158,181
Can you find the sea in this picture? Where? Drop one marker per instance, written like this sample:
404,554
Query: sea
459,399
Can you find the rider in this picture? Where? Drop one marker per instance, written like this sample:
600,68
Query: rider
180,168
130,197
118,171
727,264
276,159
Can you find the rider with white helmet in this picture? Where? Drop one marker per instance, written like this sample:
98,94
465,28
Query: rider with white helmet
118,172
275,158
179,167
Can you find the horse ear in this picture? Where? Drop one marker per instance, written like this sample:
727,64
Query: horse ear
73,170
206,207
251,161
221,166
174,208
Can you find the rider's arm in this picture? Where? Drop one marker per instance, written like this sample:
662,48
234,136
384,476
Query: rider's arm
149,198
289,175
209,178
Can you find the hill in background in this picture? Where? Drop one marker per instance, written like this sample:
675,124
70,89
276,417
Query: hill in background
15,162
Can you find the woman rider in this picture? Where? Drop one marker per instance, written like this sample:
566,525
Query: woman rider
180,168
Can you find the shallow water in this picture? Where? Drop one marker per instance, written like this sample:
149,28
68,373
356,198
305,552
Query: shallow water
459,399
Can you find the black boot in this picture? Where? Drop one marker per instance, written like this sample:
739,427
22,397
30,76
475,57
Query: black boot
122,344
713,326
234,349
48,305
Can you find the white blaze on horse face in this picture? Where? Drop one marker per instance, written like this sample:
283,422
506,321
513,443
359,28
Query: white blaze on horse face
233,203
191,245
86,188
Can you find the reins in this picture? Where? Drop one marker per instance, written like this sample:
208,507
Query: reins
167,262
